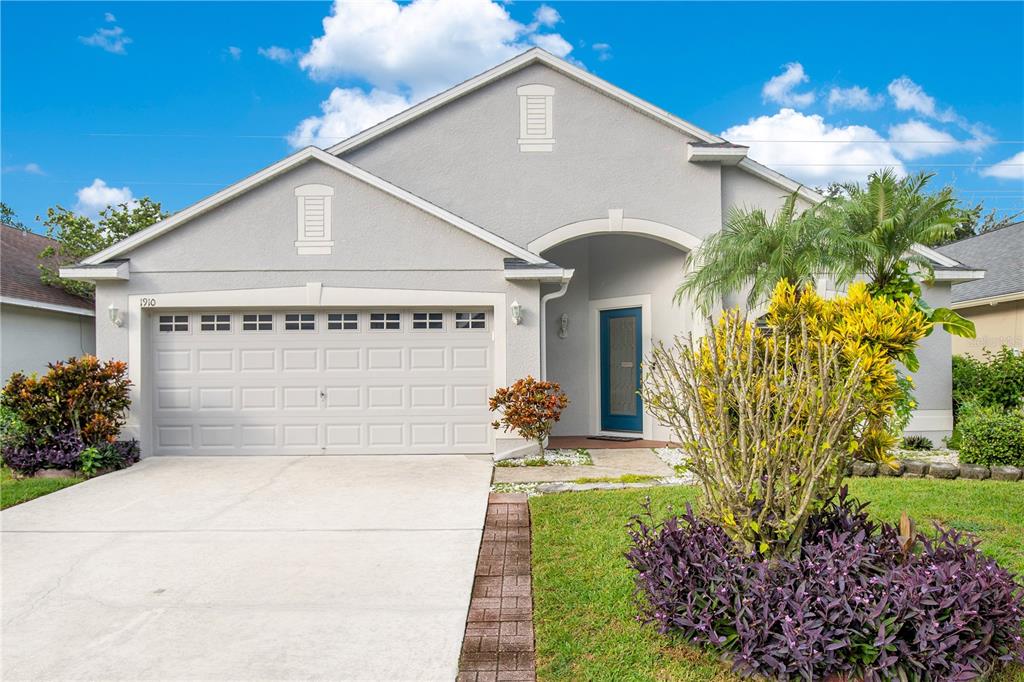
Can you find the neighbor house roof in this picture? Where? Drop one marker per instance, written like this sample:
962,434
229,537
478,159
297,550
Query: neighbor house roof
19,275
1001,254
538,56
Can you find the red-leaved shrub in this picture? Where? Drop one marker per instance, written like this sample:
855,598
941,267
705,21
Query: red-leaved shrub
530,408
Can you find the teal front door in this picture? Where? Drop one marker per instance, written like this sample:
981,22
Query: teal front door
621,349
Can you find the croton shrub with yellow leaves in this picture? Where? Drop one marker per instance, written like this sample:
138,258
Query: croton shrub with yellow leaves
771,418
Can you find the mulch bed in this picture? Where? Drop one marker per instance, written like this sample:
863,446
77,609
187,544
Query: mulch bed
498,645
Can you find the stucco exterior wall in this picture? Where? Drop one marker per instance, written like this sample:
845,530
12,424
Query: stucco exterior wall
997,325
30,338
465,157
608,266
933,383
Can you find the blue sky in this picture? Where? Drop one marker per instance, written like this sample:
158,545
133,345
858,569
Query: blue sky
104,101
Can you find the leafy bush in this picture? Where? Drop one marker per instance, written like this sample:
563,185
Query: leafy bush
858,601
995,380
991,436
13,431
117,455
529,408
60,452
82,395
918,443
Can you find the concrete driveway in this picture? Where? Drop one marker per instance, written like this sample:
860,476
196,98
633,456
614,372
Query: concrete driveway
246,568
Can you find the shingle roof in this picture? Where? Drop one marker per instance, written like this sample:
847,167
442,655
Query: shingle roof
1000,253
19,270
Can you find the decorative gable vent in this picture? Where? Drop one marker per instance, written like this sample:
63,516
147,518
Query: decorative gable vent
536,129
314,220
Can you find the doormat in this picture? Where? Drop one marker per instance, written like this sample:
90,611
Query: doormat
617,439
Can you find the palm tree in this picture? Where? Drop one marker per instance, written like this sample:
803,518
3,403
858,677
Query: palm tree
755,251
887,217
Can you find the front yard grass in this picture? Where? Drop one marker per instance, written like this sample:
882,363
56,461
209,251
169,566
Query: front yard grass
584,617
15,491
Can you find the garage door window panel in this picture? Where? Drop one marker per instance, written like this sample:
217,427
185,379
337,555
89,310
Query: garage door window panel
217,322
346,322
173,324
258,322
471,320
385,321
428,321
300,322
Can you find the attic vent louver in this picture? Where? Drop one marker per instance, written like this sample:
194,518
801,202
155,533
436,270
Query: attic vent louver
536,128
314,220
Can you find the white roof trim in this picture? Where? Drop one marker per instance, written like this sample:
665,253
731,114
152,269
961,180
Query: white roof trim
936,257
282,166
727,156
988,300
27,303
537,55
539,274
112,271
955,276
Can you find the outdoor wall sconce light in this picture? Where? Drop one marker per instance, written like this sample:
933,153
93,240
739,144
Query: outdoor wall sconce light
115,316
517,313
563,326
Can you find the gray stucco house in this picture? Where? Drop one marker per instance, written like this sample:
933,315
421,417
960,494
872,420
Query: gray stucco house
367,298
39,324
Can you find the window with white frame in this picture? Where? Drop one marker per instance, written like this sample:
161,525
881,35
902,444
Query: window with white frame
173,323
215,323
258,322
314,220
300,322
471,320
385,321
428,320
347,322
536,120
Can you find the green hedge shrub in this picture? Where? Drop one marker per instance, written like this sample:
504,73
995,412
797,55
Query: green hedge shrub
991,436
996,380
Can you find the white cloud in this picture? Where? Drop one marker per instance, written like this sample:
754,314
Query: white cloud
109,39
909,96
854,97
98,196
234,52
108,17
780,89
808,149
30,168
423,46
1007,169
346,112
916,139
603,50
552,42
281,55
547,16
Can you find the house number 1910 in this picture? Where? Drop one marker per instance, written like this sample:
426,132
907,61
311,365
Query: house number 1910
147,302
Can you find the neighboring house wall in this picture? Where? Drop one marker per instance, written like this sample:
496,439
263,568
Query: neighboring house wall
31,338
997,325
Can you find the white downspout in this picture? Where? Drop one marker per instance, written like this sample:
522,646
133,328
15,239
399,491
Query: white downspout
566,278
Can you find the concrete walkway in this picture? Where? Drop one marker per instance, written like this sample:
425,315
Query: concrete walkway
607,464
246,568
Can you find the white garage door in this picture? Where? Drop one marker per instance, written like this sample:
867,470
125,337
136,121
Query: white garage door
322,382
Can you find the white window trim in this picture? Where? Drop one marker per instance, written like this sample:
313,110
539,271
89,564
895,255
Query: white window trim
427,329
536,94
300,321
642,301
172,314
464,330
321,245
358,321
385,321
231,324
273,323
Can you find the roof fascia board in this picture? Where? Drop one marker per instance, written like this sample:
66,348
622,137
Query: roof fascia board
936,257
286,164
539,274
28,303
988,300
121,271
954,276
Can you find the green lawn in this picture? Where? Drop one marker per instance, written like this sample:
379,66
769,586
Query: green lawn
585,621
14,491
